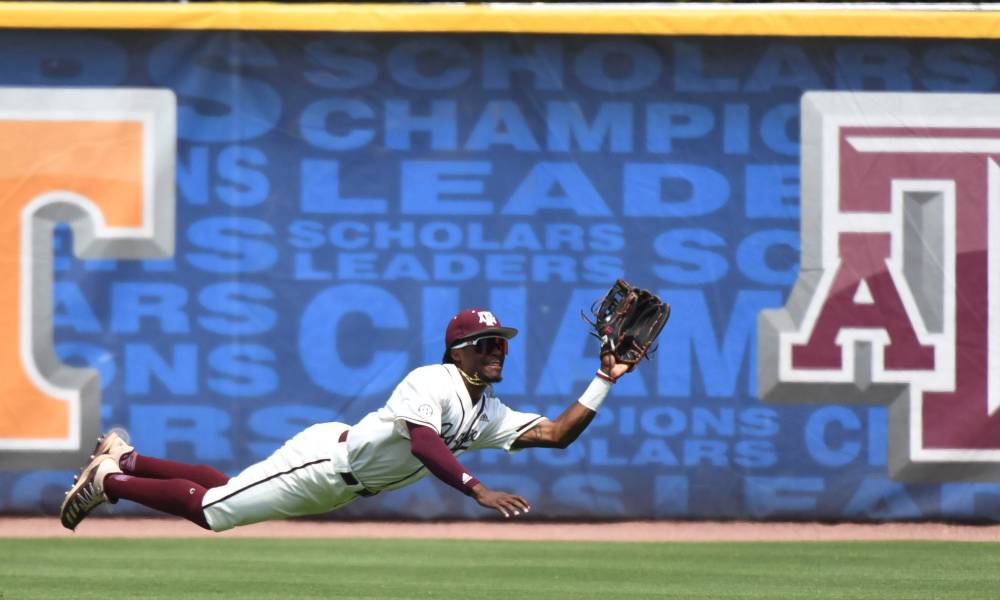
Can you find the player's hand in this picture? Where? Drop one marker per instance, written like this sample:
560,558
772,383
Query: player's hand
612,367
506,504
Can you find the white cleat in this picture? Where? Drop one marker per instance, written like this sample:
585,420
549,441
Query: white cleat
113,445
88,491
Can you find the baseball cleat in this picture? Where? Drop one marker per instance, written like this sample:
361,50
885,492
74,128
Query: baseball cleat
113,445
88,491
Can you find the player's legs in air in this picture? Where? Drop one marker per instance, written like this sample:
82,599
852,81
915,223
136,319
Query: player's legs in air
117,471
308,474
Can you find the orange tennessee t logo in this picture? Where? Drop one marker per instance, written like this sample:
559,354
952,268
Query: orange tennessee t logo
102,161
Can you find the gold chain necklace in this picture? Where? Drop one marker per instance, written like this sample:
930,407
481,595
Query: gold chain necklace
474,380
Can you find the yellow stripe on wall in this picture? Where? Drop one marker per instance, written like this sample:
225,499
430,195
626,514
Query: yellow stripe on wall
758,20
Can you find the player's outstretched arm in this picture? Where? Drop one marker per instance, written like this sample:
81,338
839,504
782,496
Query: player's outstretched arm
570,424
430,449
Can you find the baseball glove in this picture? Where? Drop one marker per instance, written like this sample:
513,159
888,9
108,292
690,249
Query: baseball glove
627,321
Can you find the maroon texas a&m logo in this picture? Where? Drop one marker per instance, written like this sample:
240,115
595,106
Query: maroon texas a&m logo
899,276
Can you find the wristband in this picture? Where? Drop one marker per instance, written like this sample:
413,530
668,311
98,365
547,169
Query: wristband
595,393
606,377
471,483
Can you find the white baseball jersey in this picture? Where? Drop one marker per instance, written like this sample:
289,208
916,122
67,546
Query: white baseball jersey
305,476
435,395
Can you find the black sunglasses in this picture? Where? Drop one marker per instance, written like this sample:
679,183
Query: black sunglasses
485,345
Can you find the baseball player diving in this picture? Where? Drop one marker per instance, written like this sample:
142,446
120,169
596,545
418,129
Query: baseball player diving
435,414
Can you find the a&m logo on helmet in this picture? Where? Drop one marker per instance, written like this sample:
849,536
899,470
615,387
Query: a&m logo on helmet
487,318
898,297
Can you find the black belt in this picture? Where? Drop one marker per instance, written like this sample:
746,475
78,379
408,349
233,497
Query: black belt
349,477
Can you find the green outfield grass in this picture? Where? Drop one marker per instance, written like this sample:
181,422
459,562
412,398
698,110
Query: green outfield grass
482,570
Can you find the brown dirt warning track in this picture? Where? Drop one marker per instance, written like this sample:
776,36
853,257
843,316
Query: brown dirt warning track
626,531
